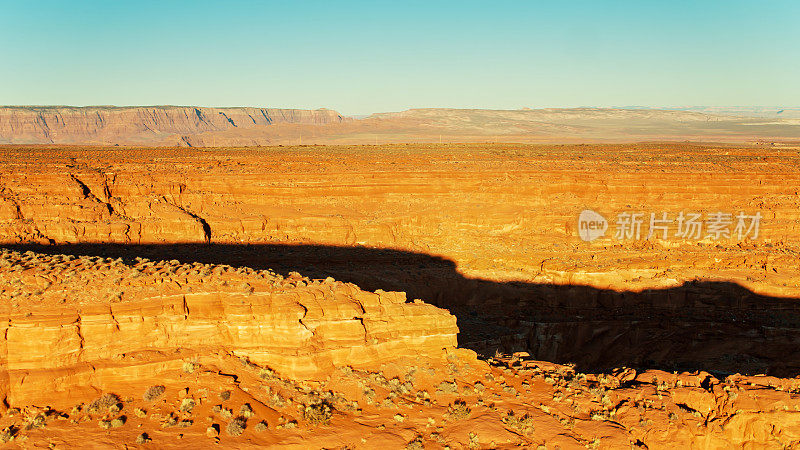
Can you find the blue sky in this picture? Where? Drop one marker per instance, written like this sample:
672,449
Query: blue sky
362,57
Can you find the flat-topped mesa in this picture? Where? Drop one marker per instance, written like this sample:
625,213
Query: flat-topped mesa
140,124
87,321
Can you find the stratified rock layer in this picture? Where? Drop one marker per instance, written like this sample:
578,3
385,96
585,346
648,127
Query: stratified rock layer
141,124
487,231
66,317
220,127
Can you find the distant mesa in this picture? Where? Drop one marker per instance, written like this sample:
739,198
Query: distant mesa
155,126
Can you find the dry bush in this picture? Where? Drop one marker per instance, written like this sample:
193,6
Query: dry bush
153,392
415,444
318,413
118,422
187,405
8,433
523,424
246,411
105,402
236,426
458,410
447,387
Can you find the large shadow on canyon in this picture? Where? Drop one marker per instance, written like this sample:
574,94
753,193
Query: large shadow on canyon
719,327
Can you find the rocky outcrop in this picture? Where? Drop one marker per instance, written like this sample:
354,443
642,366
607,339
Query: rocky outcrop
64,317
151,125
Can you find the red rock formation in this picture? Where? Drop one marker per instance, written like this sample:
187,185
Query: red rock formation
140,125
67,315
220,127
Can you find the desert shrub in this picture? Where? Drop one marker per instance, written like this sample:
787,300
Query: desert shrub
153,392
38,421
8,433
189,367
118,422
523,423
236,426
225,395
105,402
447,387
170,421
261,426
187,405
143,438
415,444
318,413
246,411
140,412
458,410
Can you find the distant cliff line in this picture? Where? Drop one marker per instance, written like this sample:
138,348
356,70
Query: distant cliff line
154,126
144,125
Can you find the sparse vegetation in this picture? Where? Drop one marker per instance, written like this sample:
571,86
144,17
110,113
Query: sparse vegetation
523,424
458,410
246,411
236,426
447,387
118,422
106,402
8,433
415,444
318,413
187,405
153,392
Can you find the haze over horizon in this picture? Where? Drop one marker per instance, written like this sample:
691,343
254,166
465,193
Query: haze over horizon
365,57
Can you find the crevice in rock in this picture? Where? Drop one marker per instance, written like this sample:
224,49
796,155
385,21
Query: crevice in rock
89,195
7,195
203,223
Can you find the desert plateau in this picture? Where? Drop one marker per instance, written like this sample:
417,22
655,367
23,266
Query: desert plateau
399,296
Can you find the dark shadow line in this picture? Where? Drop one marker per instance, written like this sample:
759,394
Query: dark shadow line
719,327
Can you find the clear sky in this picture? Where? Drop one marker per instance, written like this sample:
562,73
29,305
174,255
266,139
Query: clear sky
371,56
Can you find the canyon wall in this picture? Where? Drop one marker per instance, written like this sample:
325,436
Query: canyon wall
239,127
488,231
154,125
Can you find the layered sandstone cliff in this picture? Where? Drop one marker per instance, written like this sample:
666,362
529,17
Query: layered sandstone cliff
70,321
238,127
141,125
